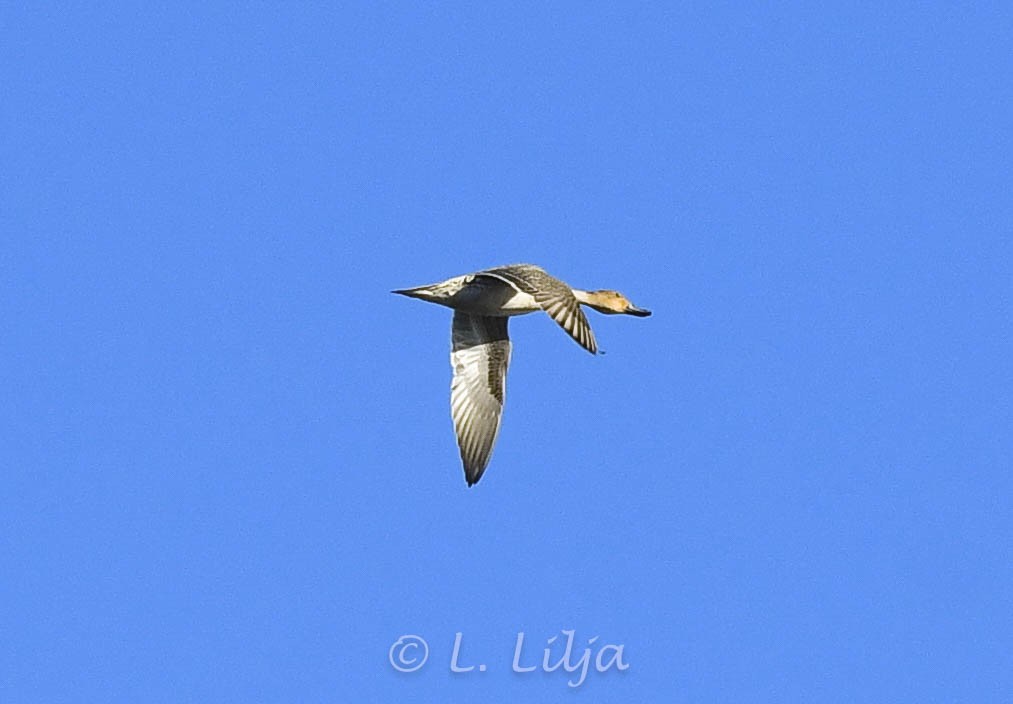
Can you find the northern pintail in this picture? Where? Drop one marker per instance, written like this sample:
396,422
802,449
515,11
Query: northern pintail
482,302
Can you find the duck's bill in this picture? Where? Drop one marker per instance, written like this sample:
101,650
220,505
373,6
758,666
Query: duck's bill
639,312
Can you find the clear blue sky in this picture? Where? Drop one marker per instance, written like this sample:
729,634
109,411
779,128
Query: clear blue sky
229,471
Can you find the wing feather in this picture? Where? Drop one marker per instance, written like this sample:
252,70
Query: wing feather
479,356
553,296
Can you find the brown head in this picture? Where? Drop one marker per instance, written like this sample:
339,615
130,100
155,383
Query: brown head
610,302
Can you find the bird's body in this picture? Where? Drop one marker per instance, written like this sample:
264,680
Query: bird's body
480,351
478,294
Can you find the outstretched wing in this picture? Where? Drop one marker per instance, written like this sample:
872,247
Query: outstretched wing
554,297
479,356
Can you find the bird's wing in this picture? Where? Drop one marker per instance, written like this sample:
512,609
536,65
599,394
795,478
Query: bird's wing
479,356
554,297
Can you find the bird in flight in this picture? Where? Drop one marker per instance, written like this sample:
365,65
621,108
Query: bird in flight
480,350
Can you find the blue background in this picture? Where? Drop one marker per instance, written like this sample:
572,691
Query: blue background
229,472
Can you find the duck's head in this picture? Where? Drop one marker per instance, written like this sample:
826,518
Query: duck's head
611,303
